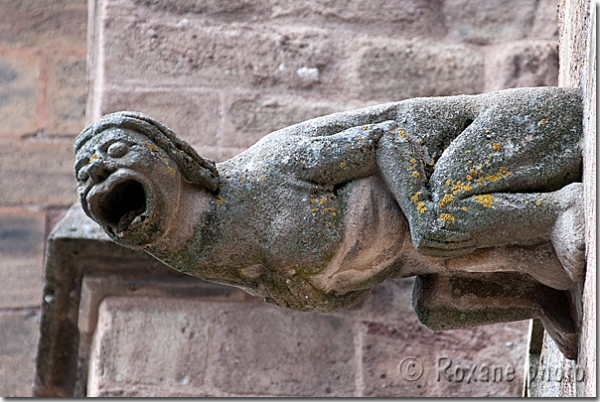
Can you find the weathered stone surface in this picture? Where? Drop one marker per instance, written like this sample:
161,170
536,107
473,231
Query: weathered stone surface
19,79
406,18
251,349
484,22
182,52
18,337
192,114
53,23
47,165
65,94
545,22
148,341
388,69
250,117
443,361
522,64
264,350
21,257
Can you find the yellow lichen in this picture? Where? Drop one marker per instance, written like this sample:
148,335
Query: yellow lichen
421,207
322,201
469,177
152,147
312,200
329,224
447,200
496,146
411,168
415,197
413,160
343,165
314,210
365,127
486,200
415,174
544,121
464,208
487,131
93,158
220,200
538,203
171,170
447,217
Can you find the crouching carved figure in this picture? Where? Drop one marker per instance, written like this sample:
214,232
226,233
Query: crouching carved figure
479,196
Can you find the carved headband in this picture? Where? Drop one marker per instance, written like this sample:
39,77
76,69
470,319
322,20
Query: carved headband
193,167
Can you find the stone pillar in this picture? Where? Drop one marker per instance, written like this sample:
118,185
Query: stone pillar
550,374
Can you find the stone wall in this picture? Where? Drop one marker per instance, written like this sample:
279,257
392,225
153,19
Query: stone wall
222,75
552,375
42,108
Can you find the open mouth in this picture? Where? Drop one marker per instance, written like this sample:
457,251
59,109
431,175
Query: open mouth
123,205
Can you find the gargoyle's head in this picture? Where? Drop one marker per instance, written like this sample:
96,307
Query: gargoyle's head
129,169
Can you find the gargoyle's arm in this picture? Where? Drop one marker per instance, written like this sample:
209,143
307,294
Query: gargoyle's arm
337,158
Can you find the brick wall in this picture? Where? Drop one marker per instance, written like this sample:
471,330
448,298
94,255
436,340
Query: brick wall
222,75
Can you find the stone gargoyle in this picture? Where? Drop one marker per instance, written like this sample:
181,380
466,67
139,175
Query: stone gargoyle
477,195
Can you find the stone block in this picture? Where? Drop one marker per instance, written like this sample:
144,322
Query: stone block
37,173
22,240
19,81
141,341
545,23
522,64
260,349
405,18
484,22
65,94
249,117
191,114
18,338
389,70
43,23
183,52
409,360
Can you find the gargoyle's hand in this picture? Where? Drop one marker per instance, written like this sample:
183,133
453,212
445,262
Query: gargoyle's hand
438,236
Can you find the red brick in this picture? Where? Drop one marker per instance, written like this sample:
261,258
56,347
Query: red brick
50,23
522,64
18,338
19,82
484,22
65,94
191,114
387,69
37,173
386,346
174,51
22,238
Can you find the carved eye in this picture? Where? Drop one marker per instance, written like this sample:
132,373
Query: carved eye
117,150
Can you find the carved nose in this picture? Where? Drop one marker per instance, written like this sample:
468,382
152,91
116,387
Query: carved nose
98,171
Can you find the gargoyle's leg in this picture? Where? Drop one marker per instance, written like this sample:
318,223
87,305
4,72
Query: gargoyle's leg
402,170
464,300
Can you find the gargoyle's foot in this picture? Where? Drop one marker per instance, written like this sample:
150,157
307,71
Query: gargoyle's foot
568,232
